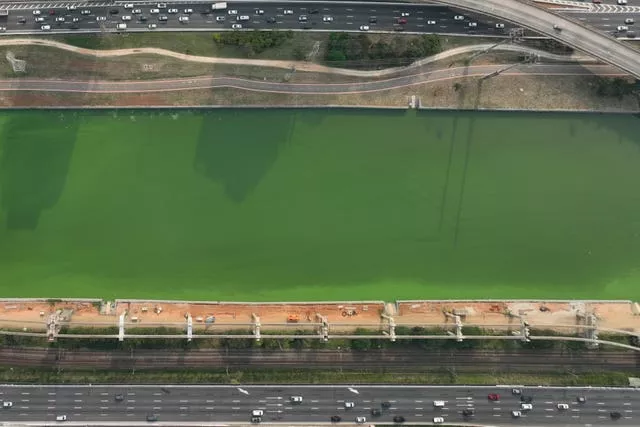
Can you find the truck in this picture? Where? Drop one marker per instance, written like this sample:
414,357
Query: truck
219,6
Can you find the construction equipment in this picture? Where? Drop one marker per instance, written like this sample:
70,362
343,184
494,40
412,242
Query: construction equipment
293,318
348,312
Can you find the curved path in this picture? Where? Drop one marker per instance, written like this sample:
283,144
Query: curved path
45,85
298,65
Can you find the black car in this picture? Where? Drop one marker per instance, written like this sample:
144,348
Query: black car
114,11
336,419
467,413
142,18
22,20
526,399
615,415
256,420
375,412
373,20
119,397
398,419
165,390
306,27
152,418
313,11
385,405
271,20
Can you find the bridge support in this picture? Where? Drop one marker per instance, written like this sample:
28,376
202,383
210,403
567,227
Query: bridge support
525,332
121,326
189,327
458,322
589,320
256,326
324,327
391,325
53,326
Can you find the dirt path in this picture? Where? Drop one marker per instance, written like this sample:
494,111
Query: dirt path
298,65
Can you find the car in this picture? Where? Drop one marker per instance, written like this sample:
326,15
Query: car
126,17
375,412
581,399
516,391
6,403
373,20
313,11
259,12
562,406
172,11
118,397
385,405
39,19
52,12
136,11
398,419
516,414
60,19
72,7
257,413
128,5
85,12
219,18
232,12
236,26
622,28
22,20
526,406
404,14
243,18
361,420
114,11
152,418
101,18
402,20
336,418
629,21
121,27
142,18
500,26
163,18
468,412
296,399
473,24
188,11
526,399
256,420
494,397
327,19
622,2
458,18
74,26
154,11
36,12
438,403
430,22
615,415
398,28
161,5
183,19
596,1
349,405
302,18
271,20
58,417
364,28
75,19
438,420
287,12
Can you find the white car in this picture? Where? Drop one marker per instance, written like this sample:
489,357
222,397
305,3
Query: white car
236,26
7,404
121,26
404,14
40,19
622,28
516,391
629,21
128,6
101,18
473,24
288,12
163,18
302,18
60,19
61,418
152,26
526,406
327,19
162,5
500,26
232,12
220,18
516,414
622,1
458,18
137,11
361,420
257,413
72,7
296,399
349,405
36,12
259,12
188,11
126,17
438,420
364,28
85,12
154,11
75,19
183,19
172,11
431,22
563,406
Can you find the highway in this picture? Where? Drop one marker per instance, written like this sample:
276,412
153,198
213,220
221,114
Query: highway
177,403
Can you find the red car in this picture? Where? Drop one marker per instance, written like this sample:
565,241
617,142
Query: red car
402,20
493,397
52,12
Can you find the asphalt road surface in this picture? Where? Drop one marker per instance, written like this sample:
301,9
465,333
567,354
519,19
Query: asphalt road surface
231,403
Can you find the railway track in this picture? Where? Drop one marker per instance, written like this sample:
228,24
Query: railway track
390,360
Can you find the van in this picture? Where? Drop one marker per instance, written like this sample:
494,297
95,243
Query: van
123,27
243,18
438,403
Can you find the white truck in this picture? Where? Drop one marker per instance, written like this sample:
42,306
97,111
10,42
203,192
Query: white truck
219,6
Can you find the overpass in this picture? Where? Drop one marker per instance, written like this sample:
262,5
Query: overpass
589,40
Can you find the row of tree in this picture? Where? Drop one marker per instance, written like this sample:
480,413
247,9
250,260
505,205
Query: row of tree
253,42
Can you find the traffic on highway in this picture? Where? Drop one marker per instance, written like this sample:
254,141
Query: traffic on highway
501,405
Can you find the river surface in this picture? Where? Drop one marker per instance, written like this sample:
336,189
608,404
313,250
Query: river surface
319,205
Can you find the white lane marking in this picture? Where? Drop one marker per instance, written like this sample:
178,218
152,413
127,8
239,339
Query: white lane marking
209,408
24,407
419,409
157,407
497,415
51,407
235,401
184,408
104,407
464,398
157,401
600,403
418,415
24,400
548,402
209,401
78,400
627,404
77,407
157,394
130,415
104,401
314,401
131,408
186,401
25,393
549,410
131,394
628,410
235,409
549,416
131,401
418,401
101,394
78,394
353,390
51,400
243,391
52,393
314,409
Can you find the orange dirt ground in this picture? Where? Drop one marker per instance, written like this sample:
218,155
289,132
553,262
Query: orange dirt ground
32,315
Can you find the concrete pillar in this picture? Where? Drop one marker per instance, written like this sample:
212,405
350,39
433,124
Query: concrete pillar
121,326
189,327
256,326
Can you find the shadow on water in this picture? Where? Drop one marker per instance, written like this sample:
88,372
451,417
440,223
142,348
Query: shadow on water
35,156
236,148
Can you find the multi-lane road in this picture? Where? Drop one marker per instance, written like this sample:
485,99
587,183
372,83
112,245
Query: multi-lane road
235,403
